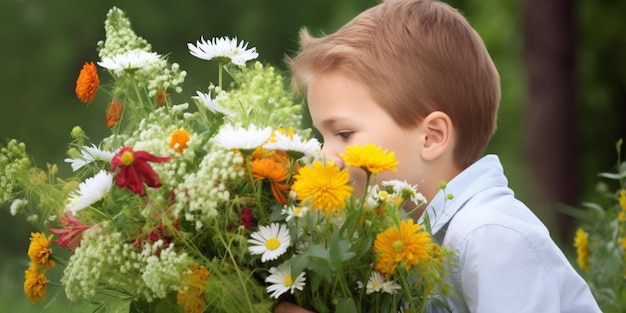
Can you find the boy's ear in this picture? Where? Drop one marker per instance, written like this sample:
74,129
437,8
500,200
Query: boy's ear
438,135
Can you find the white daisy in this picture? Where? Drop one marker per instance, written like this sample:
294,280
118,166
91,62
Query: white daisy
294,211
282,281
270,241
90,191
88,155
223,50
212,104
130,60
405,189
231,137
378,283
294,144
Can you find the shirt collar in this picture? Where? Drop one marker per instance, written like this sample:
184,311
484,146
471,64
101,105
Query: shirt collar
484,173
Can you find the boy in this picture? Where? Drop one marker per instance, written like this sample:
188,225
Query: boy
413,77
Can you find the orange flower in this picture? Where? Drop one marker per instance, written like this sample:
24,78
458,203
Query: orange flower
35,283
114,113
179,139
161,97
274,169
191,291
39,250
87,83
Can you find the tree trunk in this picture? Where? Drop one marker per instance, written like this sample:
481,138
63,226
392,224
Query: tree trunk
550,139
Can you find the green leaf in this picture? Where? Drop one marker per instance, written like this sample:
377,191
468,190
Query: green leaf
122,306
346,305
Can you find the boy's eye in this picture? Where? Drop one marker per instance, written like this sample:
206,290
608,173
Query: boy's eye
344,134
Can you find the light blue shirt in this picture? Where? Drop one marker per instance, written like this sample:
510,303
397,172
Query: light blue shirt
507,261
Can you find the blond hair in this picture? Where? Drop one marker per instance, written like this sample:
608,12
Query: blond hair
415,57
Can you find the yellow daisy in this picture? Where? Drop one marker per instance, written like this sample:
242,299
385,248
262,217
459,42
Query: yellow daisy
370,158
582,249
407,244
325,185
35,283
39,250
191,291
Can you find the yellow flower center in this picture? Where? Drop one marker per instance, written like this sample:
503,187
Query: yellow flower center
127,158
288,281
272,243
297,211
397,245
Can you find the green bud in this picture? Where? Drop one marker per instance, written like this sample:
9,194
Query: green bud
443,185
78,133
450,196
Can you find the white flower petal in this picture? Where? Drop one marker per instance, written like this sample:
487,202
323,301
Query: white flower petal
130,60
281,281
231,137
223,48
90,191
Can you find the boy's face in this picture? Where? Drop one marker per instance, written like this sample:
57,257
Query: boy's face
345,114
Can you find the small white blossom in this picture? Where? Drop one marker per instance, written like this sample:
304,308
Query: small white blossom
294,143
223,49
130,60
270,241
378,283
90,191
294,211
212,104
88,155
403,188
17,204
251,138
282,281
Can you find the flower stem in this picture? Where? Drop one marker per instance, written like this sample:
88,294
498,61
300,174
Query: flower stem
220,71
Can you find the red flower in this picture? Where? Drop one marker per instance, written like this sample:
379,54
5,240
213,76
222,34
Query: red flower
247,218
135,170
72,232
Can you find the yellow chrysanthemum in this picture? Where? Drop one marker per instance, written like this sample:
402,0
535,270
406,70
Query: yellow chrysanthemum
325,185
35,283
622,199
582,249
370,158
179,139
191,291
39,250
87,83
407,245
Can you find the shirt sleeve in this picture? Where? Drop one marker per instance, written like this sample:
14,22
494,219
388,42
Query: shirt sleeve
503,269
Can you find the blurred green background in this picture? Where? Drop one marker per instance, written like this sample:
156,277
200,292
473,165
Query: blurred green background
562,66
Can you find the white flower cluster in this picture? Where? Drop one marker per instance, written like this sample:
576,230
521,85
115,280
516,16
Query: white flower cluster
162,273
200,194
124,50
105,257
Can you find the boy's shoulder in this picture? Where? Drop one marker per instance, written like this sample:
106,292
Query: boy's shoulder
495,211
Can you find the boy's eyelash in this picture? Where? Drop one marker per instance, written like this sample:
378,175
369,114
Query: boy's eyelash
344,134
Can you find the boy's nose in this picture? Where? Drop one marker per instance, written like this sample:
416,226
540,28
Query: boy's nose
330,155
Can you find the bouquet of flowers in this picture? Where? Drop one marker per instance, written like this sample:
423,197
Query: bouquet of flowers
600,242
223,206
